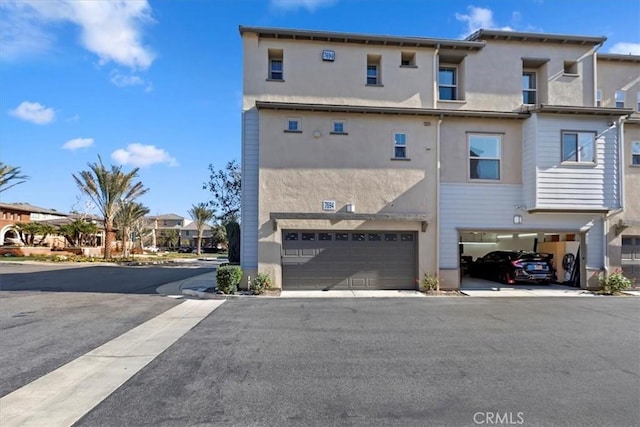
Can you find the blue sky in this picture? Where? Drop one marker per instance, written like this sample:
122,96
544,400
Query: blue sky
158,84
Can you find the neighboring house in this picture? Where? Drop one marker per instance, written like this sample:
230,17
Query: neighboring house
12,213
368,161
159,225
189,235
94,240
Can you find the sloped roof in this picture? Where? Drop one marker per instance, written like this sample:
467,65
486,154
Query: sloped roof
534,37
167,216
26,207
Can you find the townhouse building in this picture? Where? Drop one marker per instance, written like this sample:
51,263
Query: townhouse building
371,160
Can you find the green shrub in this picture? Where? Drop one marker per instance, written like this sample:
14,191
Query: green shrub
260,283
614,283
430,282
228,278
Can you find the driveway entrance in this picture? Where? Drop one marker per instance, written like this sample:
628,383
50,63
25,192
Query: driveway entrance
485,288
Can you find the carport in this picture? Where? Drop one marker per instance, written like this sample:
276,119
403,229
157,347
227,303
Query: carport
565,246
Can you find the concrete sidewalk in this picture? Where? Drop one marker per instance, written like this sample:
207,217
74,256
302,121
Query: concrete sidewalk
195,283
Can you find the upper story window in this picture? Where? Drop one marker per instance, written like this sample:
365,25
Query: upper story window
293,125
598,98
529,87
373,70
448,83
339,126
638,102
276,64
408,59
619,99
400,145
570,67
485,153
578,147
635,153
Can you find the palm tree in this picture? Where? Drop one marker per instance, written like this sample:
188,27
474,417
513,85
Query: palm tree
109,190
9,175
200,214
126,218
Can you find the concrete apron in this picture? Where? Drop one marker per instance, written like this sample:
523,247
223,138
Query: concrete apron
352,294
485,288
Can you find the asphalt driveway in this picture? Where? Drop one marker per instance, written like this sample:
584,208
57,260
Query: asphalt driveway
404,362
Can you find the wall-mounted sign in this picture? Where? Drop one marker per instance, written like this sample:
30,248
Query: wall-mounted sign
328,55
328,205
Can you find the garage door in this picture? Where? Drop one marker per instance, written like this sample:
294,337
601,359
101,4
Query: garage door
631,257
348,260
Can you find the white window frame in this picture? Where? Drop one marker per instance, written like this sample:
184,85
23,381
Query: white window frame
293,129
375,67
599,98
404,144
530,89
455,85
638,102
272,71
498,138
344,127
619,98
578,150
635,153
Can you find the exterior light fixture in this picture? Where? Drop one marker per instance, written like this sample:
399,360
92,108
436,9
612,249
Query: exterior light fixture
351,208
517,219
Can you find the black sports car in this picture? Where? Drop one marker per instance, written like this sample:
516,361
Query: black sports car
514,266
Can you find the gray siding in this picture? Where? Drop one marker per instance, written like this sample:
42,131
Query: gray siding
577,186
492,206
250,168
529,169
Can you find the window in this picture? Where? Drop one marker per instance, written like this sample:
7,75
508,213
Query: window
598,98
373,70
389,237
578,147
638,103
276,66
528,87
324,236
400,145
570,67
619,99
448,83
408,59
375,237
635,153
309,236
357,237
342,236
484,157
290,236
338,126
293,125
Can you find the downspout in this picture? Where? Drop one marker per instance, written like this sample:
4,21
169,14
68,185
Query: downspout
436,96
595,73
438,197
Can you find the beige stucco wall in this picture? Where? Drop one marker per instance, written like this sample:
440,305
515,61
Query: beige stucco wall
614,76
454,149
307,78
298,171
494,75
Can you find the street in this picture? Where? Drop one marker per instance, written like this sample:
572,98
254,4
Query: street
377,361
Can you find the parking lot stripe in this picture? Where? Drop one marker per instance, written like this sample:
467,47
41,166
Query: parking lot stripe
63,396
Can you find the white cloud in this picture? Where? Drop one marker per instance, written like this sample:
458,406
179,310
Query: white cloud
310,5
142,155
480,18
123,80
625,48
34,112
110,29
74,144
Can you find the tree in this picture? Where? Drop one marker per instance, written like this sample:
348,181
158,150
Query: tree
10,176
201,214
109,190
218,235
169,237
28,231
225,186
129,214
78,231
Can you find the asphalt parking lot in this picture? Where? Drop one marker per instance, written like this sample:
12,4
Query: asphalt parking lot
402,362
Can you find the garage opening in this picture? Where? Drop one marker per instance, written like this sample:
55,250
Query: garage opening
506,257
328,259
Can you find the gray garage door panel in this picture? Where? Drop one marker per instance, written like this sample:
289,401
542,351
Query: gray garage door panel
348,260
